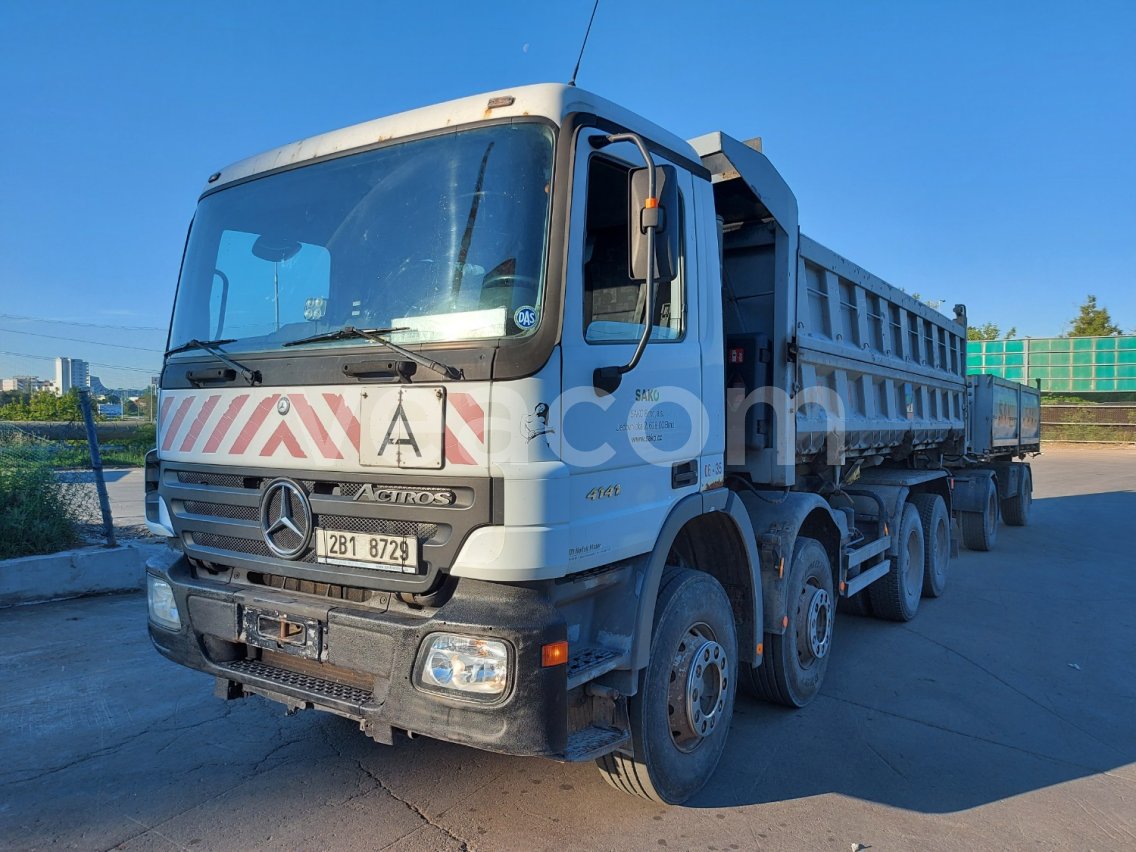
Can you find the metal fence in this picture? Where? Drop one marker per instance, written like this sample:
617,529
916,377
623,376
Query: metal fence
1105,423
1074,365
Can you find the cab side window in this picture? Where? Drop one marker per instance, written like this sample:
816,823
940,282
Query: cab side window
614,304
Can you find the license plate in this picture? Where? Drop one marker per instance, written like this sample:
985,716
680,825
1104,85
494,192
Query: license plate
367,550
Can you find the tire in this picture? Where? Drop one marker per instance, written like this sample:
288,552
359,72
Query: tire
680,717
794,663
1016,509
936,542
895,596
980,529
859,604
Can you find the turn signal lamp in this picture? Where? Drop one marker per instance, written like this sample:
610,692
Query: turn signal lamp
554,654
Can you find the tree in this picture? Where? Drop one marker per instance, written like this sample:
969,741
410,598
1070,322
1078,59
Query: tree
1093,321
988,331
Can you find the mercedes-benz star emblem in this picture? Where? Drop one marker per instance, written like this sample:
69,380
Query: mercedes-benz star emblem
285,518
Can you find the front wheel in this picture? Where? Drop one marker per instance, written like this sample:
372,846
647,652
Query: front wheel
681,715
794,662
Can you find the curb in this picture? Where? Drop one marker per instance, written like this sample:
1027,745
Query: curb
74,573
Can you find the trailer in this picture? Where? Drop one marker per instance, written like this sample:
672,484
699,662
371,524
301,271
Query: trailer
522,423
993,482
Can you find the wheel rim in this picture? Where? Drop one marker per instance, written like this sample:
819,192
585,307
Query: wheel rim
814,624
699,681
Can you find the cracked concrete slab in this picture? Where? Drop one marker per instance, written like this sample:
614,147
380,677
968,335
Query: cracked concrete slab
1000,718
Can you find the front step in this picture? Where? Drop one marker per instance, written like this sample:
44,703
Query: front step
592,742
585,664
306,687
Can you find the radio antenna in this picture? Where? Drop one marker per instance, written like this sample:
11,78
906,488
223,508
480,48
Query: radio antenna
587,33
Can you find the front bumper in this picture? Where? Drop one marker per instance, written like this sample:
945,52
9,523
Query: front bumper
365,669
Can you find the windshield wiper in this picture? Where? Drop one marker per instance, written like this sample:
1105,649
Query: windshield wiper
212,347
377,335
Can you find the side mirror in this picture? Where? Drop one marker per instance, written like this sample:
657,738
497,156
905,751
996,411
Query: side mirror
667,235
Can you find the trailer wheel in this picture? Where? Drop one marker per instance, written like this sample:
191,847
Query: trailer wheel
794,663
980,529
1016,509
936,542
895,596
681,715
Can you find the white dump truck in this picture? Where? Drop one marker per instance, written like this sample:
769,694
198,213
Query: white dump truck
522,423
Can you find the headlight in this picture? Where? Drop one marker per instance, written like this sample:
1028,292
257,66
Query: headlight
475,668
163,607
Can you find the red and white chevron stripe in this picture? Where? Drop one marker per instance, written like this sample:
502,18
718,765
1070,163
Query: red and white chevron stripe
320,428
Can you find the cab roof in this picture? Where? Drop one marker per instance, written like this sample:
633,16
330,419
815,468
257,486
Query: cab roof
552,101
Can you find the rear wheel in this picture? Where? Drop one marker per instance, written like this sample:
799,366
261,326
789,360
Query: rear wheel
1016,509
936,542
895,596
794,663
980,529
681,715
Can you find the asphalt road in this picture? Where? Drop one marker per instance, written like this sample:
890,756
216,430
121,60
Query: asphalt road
126,491
1003,716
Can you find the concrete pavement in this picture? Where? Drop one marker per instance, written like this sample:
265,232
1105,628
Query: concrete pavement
1001,717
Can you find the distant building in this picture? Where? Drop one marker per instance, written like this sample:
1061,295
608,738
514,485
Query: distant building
24,384
71,373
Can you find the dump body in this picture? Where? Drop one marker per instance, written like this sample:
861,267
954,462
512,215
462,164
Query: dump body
859,367
897,365
1004,417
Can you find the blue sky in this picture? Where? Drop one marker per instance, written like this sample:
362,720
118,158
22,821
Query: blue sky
972,152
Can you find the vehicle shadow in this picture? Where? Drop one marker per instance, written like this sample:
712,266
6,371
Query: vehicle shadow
1020,677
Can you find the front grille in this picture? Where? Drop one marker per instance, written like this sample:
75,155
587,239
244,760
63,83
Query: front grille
332,591
304,682
217,514
221,480
377,526
222,510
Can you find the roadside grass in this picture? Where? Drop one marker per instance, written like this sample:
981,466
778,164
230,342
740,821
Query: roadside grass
35,513
1094,432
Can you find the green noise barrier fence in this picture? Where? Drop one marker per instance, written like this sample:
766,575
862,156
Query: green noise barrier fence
1073,365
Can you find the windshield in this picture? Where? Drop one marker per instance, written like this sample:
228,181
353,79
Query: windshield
440,239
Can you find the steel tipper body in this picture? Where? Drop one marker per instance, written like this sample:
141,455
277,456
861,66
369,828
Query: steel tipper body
433,456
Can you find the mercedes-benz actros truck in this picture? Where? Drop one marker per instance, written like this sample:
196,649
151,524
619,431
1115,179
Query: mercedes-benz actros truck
522,423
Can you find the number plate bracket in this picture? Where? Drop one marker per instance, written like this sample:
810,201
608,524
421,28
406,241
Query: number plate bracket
277,631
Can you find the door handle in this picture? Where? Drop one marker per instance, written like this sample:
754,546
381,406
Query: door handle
684,474
212,374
